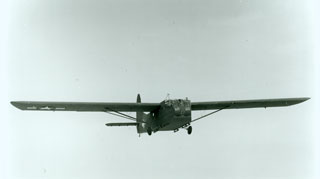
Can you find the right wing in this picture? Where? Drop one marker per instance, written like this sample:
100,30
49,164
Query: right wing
238,104
84,106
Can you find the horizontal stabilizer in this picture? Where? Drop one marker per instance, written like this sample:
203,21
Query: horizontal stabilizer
123,124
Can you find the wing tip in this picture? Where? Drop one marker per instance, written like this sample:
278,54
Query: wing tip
305,99
16,104
299,100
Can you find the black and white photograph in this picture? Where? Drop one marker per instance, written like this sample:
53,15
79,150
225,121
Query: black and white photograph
161,89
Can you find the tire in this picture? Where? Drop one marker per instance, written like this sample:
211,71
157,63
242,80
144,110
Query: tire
189,130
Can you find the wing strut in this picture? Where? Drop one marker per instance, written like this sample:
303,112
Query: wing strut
210,113
119,114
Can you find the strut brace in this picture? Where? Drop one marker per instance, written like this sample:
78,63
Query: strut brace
119,114
210,113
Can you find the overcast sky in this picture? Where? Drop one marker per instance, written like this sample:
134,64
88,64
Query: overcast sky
110,50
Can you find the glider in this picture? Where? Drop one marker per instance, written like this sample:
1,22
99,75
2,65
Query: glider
168,115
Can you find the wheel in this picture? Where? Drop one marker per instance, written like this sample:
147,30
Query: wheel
189,130
149,131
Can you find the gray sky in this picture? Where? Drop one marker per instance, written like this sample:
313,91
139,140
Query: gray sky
108,51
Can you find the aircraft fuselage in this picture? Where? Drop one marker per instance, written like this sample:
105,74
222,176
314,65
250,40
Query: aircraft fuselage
171,115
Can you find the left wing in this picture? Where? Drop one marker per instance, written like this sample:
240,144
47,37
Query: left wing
85,106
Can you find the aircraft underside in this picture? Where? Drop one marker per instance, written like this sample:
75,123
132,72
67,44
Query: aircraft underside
173,123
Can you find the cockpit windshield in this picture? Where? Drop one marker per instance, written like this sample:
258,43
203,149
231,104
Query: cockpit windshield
181,107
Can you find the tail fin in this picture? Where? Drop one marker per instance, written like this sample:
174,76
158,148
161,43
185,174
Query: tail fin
139,114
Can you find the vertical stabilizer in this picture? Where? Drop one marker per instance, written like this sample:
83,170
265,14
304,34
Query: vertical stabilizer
138,99
139,115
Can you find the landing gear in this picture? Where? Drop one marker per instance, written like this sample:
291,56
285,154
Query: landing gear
149,131
189,129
